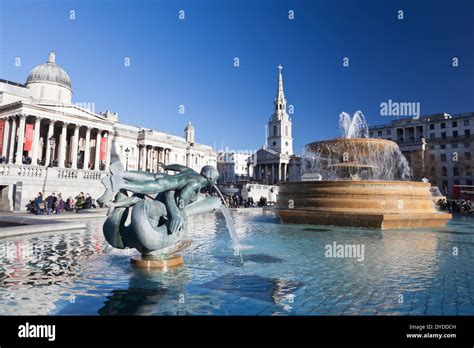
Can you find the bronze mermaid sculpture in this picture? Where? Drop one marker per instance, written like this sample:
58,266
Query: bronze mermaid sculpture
160,205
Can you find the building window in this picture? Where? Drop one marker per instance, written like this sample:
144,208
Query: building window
443,157
389,132
432,135
443,135
286,143
379,133
432,126
469,182
286,130
443,125
454,124
275,131
454,145
442,146
455,134
467,144
467,133
456,171
444,171
274,143
466,122
467,155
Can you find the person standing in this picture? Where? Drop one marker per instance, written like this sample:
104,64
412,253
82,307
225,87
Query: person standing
39,204
79,201
59,204
88,202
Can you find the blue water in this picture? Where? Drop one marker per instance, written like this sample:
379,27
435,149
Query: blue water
284,272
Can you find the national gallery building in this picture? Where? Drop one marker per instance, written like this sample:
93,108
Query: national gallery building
48,144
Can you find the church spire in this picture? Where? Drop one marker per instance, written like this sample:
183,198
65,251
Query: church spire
280,101
280,93
279,137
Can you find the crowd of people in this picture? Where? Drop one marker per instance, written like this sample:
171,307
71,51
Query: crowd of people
239,202
455,206
55,204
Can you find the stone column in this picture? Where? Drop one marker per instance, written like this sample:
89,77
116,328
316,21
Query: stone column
49,155
152,160
142,158
12,140
158,167
6,132
109,151
36,136
62,146
97,150
87,148
21,140
75,142
147,157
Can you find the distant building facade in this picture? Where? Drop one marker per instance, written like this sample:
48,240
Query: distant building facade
439,147
233,167
49,144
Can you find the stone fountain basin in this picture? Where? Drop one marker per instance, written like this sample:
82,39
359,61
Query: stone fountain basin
361,203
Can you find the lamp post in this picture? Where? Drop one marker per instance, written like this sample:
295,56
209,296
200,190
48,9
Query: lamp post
127,151
52,144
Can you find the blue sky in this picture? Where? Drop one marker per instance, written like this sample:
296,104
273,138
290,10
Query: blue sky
190,62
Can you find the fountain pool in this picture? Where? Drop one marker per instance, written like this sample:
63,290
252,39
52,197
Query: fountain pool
284,272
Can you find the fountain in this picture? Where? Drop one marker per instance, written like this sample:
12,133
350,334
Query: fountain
365,183
160,205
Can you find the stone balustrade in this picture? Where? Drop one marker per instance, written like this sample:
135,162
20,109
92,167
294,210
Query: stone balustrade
31,171
4,169
13,171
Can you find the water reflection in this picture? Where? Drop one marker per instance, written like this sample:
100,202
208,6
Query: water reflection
284,271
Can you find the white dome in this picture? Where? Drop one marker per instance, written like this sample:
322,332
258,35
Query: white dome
49,72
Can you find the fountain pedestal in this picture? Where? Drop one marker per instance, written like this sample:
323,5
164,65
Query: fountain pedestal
359,203
147,261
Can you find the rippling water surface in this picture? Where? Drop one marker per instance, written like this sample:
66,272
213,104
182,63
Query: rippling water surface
284,272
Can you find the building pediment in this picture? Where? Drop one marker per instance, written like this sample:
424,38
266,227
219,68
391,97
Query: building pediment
267,154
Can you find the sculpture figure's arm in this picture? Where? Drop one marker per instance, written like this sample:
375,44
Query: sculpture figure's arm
176,216
177,168
187,193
